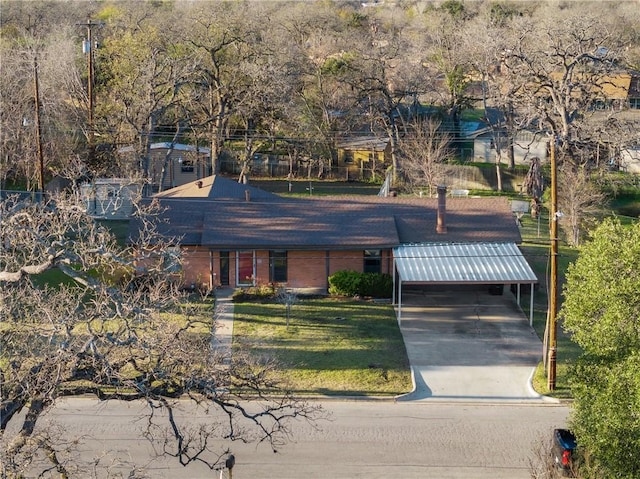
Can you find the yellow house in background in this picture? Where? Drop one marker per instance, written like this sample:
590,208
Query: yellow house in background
619,90
364,157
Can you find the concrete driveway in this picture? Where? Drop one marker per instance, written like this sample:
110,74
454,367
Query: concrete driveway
467,345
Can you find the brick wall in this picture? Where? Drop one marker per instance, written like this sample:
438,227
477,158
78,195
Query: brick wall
195,266
305,269
340,260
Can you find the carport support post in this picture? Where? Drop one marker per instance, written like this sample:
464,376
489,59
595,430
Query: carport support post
395,272
400,302
531,307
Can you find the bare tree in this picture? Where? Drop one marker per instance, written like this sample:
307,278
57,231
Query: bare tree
485,43
562,65
383,77
144,77
324,107
118,327
36,115
541,463
581,202
534,186
450,59
288,298
423,152
221,38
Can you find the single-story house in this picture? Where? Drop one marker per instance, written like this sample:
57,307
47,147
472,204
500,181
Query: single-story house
364,156
629,160
173,164
526,145
237,235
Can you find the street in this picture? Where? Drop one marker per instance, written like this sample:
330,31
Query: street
363,439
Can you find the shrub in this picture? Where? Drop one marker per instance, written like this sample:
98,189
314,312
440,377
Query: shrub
352,283
255,293
344,283
238,295
377,285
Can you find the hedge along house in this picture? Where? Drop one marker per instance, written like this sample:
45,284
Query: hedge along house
236,235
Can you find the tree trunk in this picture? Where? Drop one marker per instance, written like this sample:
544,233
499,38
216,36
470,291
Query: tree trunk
218,104
167,164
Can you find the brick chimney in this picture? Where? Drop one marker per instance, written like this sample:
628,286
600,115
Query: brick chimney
441,225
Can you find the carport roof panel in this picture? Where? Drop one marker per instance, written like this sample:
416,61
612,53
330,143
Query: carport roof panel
463,263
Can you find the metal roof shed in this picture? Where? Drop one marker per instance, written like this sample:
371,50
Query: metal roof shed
461,263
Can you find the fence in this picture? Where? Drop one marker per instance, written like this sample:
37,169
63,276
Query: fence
468,177
34,196
275,167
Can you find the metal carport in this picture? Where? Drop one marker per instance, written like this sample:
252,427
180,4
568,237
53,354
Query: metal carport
460,263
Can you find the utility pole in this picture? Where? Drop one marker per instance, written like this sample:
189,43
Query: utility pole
36,97
553,287
87,47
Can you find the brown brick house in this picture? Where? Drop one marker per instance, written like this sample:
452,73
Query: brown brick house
237,235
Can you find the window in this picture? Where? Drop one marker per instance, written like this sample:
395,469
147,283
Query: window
348,157
186,166
372,261
278,266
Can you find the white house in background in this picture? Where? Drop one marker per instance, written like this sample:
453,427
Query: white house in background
629,160
110,198
527,145
172,165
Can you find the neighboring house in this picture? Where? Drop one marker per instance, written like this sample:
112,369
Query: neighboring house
236,235
364,157
629,160
527,144
618,91
184,164
613,92
110,198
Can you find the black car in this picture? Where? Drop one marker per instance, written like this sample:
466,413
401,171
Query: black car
564,443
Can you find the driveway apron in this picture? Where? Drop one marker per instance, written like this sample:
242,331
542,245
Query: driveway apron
468,345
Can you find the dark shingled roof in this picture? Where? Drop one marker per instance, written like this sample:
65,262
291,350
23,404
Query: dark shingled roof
334,222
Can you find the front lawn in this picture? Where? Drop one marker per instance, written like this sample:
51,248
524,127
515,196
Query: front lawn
331,347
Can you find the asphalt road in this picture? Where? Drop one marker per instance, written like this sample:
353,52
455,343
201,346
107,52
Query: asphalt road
363,439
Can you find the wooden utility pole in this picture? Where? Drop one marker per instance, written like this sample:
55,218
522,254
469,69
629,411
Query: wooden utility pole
87,47
553,286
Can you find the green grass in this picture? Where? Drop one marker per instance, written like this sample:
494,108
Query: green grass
331,347
473,114
536,249
119,228
627,207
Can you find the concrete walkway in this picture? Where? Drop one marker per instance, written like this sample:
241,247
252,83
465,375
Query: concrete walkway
467,345
223,318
